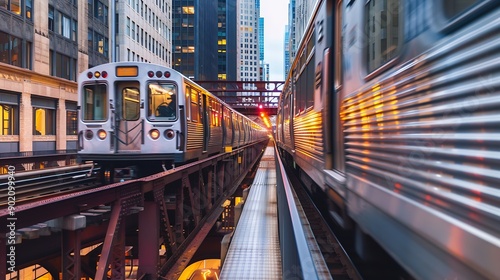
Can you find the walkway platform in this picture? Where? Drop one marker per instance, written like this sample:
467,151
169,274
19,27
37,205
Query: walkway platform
254,251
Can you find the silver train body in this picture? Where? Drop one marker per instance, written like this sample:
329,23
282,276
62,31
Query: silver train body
392,109
124,119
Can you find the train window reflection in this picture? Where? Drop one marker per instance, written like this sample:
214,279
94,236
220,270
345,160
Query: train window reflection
453,8
131,107
162,101
383,32
95,103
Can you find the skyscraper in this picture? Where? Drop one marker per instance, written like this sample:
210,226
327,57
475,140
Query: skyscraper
226,33
286,52
195,45
143,31
248,42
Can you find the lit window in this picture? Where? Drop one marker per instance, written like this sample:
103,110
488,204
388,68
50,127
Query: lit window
44,121
71,122
8,119
188,10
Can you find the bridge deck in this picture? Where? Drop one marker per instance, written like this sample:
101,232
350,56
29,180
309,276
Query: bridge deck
254,252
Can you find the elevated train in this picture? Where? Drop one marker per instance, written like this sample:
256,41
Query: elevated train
391,113
134,113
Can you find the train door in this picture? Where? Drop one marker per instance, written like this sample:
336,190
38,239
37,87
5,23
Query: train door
334,64
126,112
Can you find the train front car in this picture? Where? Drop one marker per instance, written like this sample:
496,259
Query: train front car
129,114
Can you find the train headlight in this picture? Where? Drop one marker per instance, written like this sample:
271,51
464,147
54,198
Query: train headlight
89,134
154,133
101,134
169,134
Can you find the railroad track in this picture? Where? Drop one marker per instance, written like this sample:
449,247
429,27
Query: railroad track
34,185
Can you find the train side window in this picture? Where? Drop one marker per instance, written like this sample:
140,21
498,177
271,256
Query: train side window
95,105
195,110
383,32
188,102
452,8
162,98
456,14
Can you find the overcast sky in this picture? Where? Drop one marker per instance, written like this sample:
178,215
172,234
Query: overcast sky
275,14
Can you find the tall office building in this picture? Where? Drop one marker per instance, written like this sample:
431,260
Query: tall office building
143,31
264,67
226,34
248,40
261,39
286,53
195,45
44,45
292,44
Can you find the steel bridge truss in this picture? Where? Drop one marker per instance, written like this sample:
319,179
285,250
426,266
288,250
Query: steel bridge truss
249,98
176,208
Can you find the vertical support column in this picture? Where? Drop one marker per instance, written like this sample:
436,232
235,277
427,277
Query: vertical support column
149,228
193,186
179,214
61,122
221,175
168,236
71,264
209,190
113,236
229,174
118,253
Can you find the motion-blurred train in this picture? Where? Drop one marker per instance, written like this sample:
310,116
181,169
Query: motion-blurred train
142,113
391,111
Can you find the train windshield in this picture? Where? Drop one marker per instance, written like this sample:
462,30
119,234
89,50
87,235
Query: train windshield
95,102
162,101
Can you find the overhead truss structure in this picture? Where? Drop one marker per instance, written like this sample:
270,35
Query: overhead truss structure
247,97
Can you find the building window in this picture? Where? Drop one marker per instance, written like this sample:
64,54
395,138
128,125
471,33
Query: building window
44,121
100,44
8,119
101,11
71,122
12,5
71,118
66,26
62,24
90,39
63,66
127,30
11,49
189,10
29,9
